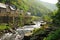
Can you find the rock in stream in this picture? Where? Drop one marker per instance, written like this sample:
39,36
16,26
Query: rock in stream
12,36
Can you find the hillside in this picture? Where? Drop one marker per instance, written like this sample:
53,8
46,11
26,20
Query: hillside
50,6
37,8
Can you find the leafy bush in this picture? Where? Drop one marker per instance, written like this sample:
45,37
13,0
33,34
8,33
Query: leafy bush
55,35
38,34
4,26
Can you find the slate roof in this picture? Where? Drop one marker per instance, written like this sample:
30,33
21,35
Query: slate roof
2,5
5,6
12,8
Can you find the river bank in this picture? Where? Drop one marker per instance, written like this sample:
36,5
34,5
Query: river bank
18,33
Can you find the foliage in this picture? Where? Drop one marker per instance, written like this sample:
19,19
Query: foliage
21,22
35,18
2,1
4,27
35,7
55,35
25,20
47,18
38,34
56,18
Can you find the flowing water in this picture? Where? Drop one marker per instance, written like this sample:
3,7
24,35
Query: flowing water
11,36
19,33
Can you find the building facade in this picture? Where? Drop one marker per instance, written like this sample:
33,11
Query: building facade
8,13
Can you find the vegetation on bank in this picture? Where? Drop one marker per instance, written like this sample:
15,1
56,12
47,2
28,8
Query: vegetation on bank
35,7
23,18
55,35
53,31
52,19
4,26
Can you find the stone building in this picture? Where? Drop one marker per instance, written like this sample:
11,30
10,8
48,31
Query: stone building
8,13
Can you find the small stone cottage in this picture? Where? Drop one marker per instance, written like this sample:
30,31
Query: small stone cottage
8,13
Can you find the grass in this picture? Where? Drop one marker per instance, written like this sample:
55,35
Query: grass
4,26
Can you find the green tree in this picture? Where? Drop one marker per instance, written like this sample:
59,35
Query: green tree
2,1
55,35
56,18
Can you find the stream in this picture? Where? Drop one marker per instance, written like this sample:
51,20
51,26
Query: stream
20,32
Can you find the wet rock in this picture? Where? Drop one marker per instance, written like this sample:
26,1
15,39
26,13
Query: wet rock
12,36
